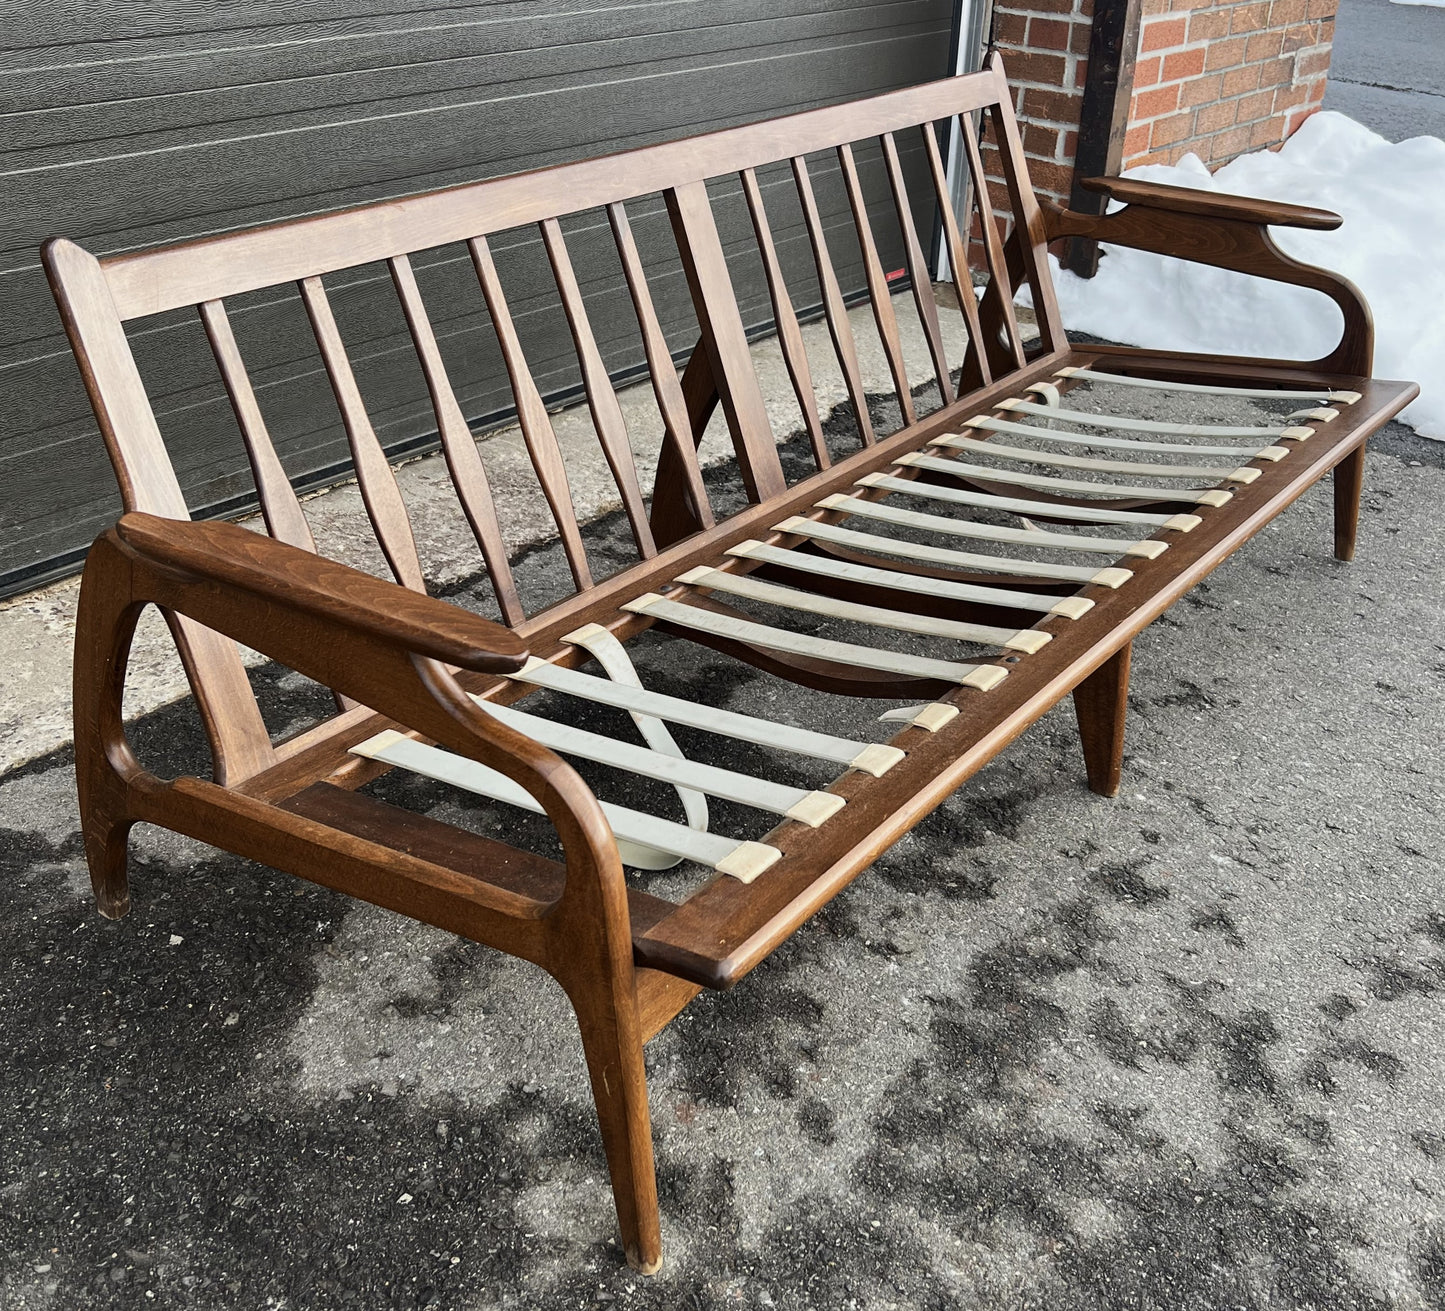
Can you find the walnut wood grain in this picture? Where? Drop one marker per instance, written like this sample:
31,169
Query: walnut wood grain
379,492
1029,231
240,745
606,413
537,430
834,308
280,507
724,341
977,370
1231,243
920,281
1212,204
878,297
459,447
679,446
998,296
282,575
168,277
1101,705
790,336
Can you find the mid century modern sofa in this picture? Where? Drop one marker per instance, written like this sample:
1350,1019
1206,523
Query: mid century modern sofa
982,562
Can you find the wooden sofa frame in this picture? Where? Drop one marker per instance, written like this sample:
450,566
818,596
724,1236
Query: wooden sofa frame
408,668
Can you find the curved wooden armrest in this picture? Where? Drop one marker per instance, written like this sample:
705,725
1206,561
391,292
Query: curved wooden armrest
1204,229
1212,204
388,647
272,570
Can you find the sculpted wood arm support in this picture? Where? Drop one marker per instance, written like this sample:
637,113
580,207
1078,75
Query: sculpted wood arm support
1232,232
385,645
1229,232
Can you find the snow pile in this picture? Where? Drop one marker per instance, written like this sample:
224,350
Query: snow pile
1438,4
1391,246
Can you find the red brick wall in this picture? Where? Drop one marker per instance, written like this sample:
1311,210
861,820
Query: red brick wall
1045,44
1214,77
1217,80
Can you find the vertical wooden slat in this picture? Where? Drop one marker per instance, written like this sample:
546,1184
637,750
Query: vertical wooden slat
279,506
459,447
537,430
882,303
379,492
977,371
833,307
239,741
1033,238
795,355
724,340
918,273
1000,291
663,373
601,398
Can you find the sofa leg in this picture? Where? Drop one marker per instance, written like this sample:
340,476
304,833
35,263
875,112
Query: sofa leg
613,1047
1349,485
1101,703
106,853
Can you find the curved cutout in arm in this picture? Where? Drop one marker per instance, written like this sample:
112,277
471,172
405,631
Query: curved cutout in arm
1241,244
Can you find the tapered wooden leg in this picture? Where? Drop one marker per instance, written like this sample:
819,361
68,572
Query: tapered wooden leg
1101,703
104,625
612,1041
106,843
1349,484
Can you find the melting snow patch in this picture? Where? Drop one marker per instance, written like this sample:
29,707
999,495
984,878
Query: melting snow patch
1391,246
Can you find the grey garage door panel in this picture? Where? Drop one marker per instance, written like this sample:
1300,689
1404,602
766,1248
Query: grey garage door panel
702,71
82,27
184,98
138,198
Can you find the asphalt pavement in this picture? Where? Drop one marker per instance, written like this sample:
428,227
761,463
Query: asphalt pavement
1388,67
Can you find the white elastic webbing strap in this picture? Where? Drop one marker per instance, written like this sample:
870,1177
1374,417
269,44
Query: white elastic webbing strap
756,589
1198,496
982,677
1135,425
1053,459
930,717
746,790
1013,504
994,564
743,860
1201,389
873,758
1101,442
830,566
603,647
